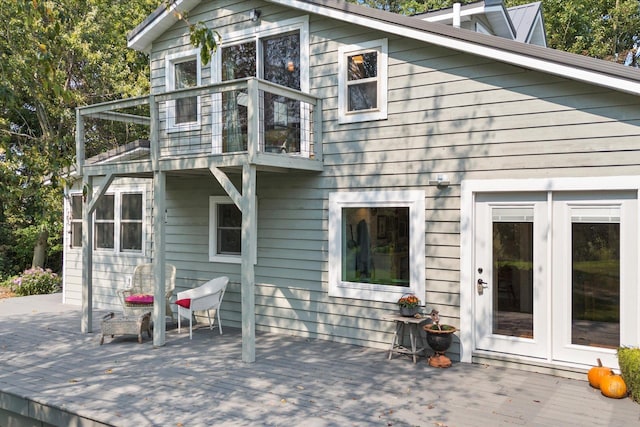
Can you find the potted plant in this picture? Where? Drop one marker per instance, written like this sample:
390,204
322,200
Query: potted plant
409,305
439,338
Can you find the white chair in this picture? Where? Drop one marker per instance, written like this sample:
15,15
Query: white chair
205,297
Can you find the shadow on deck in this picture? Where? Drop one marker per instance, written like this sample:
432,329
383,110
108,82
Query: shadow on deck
53,373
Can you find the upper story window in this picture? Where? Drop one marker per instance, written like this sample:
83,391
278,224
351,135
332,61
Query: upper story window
376,244
183,71
276,52
225,230
362,82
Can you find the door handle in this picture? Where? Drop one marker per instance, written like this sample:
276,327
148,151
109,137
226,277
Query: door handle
482,285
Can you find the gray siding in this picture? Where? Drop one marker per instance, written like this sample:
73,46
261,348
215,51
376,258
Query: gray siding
110,269
464,116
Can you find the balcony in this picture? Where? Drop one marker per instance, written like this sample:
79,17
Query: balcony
247,121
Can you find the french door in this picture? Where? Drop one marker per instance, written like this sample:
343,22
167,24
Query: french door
556,274
510,272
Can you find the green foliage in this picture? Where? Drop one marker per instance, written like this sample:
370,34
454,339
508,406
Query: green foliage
629,361
35,281
205,37
199,34
55,56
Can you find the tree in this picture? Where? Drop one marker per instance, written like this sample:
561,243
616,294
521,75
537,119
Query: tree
54,56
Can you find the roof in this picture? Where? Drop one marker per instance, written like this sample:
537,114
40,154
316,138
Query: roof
522,23
556,62
527,19
493,10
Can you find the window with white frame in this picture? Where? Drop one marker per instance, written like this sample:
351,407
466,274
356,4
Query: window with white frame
104,222
225,230
75,221
119,222
277,52
183,71
131,222
362,82
376,244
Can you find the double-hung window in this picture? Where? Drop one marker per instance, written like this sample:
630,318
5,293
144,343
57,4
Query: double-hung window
118,223
225,230
182,72
105,222
376,244
362,82
75,221
131,222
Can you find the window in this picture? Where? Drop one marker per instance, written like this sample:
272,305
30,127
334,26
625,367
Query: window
362,82
131,222
183,71
277,52
105,222
75,228
119,222
376,244
225,230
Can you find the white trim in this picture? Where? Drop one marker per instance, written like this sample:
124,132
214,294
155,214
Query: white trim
415,201
592,77
143,40
117,214
170,61
380,112
214,201
469,189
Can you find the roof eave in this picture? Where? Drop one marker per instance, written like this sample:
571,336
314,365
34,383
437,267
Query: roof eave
141,37
560,63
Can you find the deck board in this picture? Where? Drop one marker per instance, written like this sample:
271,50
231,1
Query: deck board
294,381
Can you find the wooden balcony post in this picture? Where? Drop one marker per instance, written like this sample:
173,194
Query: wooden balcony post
317,130
253,119
79,142
154,138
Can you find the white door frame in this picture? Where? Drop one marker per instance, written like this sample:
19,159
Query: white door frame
469,189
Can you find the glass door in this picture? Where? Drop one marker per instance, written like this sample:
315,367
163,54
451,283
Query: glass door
510,292
595,296
281,65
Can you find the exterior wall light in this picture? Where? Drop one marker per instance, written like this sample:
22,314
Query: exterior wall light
254,15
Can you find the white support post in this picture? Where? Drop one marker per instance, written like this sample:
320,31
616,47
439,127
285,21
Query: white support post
159,259
86,323
80,154
249,240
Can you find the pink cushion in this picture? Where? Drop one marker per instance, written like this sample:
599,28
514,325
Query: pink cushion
185,302
139,299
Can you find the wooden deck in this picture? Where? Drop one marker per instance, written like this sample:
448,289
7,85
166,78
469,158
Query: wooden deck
52,372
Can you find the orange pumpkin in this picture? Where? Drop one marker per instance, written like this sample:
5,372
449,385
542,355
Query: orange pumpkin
613,386
596,374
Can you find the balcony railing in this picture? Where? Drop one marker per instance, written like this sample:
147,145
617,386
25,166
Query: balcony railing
248,116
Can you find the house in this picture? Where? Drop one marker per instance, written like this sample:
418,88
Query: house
523,23
332,158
